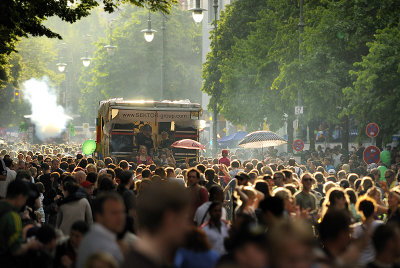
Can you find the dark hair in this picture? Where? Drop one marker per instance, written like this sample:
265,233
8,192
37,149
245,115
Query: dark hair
83,163
92,177
196,240
382,234
45,234
344,183
146,173
210,174
108,160
111,172
201,168
23,174
160,171
352,195
153,203
215,190
235,164
152,167
333,223
124,177
272,204
16,188
123,164
106,185
195,170
98,204
366,206
117,172
169,170
263,187
70,187
90,160
80,226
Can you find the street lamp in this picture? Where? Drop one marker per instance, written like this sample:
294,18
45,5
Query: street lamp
110,48
149,33
86,60
197,12
61,67
215,104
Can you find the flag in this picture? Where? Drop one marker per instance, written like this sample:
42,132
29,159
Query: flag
72,129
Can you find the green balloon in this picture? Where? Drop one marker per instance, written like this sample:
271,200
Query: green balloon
382,169
385,157
88,147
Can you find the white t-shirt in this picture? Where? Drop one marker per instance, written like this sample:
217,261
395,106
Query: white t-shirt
217,237
368,253
201,216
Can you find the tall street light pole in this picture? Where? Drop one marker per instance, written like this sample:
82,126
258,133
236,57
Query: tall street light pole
163,28
215,105
299,92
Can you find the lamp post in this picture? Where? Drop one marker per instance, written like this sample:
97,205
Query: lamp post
215,104
299,92
148,33
110,47
197,12
163,28
86,60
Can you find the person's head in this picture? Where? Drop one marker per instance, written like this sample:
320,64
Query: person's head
196,240
193,177
366,207
389,176
162,212
386,239
146,173
215,212
170,172
225,153
124,164
109,211
242,178
100,259
80,176
394,198
126,178
279,178
334,230
91,168
319,177
147,130
352,195
367,183
142,150
160,171
202,168
78,230
290,245
235,164
209,174
216,194
262,186
307,181
17,193
272,208
47,236
287,198
23,175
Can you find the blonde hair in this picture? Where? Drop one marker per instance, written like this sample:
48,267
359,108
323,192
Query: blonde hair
103,257
282,193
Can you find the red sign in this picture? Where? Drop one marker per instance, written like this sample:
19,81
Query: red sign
372,154
298,145
372,130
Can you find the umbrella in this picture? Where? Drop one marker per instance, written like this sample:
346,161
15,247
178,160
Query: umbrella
188,144
237,136
261,139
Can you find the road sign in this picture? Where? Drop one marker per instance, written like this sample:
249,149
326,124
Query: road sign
372,130
298,145
372,154
298,110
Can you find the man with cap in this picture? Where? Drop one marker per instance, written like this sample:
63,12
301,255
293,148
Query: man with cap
224,159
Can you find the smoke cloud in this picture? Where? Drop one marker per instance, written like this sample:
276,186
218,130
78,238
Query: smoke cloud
48,117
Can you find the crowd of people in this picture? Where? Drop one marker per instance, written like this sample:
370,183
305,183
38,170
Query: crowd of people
59,208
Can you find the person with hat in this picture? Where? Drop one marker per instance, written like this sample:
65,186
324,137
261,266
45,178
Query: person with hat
224,159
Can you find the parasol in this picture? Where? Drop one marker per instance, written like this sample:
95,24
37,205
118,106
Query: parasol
261,139
188,144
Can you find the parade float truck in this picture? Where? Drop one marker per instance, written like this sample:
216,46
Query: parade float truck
119,123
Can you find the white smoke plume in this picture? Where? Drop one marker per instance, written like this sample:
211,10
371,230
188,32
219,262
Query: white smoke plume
49,118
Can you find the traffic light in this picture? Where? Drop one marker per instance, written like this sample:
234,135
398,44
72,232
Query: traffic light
17,94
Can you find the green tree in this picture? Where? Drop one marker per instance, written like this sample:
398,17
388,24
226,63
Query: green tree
134,71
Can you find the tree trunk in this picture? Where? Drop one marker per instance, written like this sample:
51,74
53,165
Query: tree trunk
311,129
379,140
290,131
345,134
